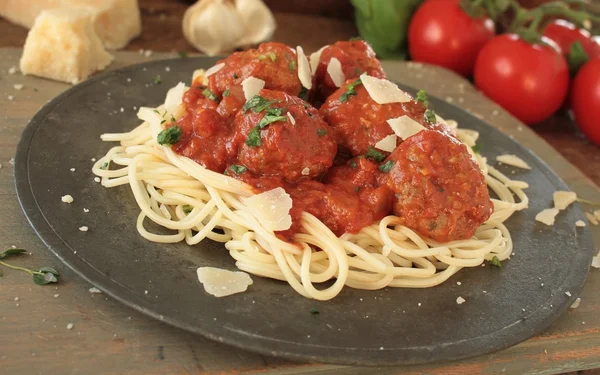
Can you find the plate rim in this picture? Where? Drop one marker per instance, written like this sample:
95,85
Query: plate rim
509,336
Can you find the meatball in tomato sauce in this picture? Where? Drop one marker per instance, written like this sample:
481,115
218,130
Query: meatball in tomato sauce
274,63
356,57
282,135
439,189
359,122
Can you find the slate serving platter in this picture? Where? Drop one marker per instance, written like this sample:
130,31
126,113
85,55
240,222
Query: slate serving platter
388,327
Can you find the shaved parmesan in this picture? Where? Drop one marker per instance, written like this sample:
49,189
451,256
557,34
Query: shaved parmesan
213,70
67,198
576,303
174,97
516,184
547,216
221,283
383,91
596,261
591,218
562,199
580,223
252,86
597,214
513,161
292,119
404,126
305,171
387,143
304,72
334,69
314,59
271,209
460,300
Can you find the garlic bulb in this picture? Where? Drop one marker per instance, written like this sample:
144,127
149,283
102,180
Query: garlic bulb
218,26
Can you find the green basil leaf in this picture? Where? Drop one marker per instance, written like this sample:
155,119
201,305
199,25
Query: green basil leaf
387,166
269,119
50,270
430,116
422,98
10,252
238,169
375,155
253,139
496,262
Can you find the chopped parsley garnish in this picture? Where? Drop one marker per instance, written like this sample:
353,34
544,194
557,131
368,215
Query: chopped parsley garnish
169,136
496,262
182,54
357,71
163,121
357,189
350,90
235,76
269,119
257,104
226,93
375,155
314,311
321,132
430,116
187,209
156,80
477,148
292,65
303,94
238,169
270,55
209,94
353,164
422,98
104,166
173,119
387,166
253,139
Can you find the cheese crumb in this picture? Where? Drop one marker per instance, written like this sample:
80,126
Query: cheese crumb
513,160
97,179
305,171
220,283
596,261
580,223
18,86
70,326
458,283
562,199
547,216
460,300
72,169
576,303
148,53
292,119
592,219
10,97
83,228
568,293
86,210
95,290
67,198
12,70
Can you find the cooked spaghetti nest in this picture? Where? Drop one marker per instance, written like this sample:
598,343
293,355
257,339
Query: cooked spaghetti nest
196,203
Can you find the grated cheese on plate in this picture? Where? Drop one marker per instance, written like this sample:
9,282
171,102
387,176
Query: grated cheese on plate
220,283
513,160
460,300
591,218
67,198
580,223
547,216
576,303
562,199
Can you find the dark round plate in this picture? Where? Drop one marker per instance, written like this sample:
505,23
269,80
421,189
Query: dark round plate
385,327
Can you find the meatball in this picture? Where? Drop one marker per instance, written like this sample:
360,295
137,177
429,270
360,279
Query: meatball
356,57
271,142
274,63
358,122
439,189
205,138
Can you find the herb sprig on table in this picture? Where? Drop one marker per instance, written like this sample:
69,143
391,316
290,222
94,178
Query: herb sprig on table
43,276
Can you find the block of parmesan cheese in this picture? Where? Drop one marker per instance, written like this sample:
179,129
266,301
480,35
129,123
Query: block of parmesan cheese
116,22
62,45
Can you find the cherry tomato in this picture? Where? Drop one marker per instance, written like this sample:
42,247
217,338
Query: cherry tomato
528,80
565,33
441,33
585,100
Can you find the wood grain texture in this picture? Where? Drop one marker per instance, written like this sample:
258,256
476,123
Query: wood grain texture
109,338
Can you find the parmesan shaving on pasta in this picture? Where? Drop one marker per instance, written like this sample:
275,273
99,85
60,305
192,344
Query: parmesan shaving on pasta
271,209
213,70
404,126
383,91
304,73
314,59
252,86
199,73
562,199
580,223
512,160
576,303
334,69
547,216
174,97
220,283
387,143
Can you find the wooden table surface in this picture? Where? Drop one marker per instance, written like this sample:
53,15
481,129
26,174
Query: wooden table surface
109,338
